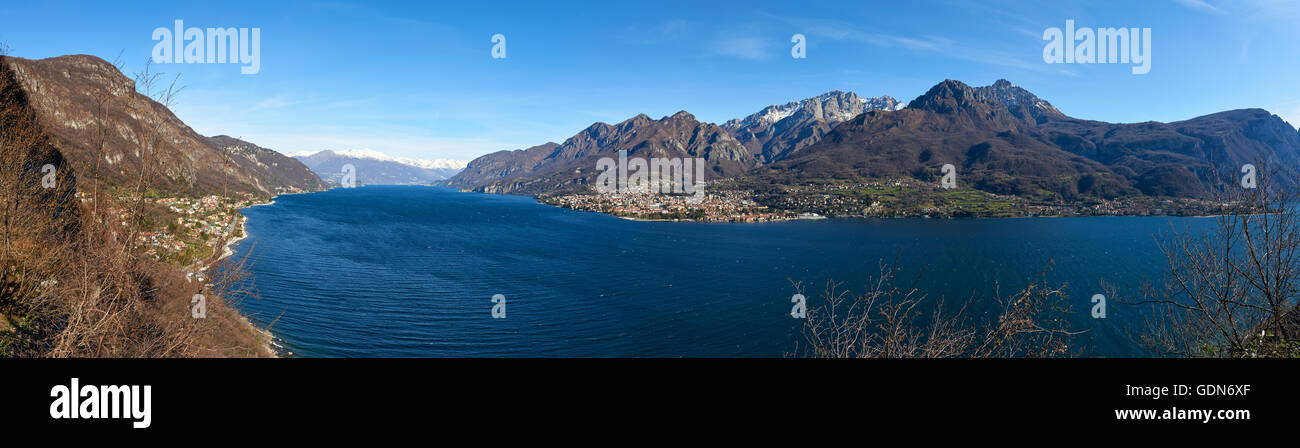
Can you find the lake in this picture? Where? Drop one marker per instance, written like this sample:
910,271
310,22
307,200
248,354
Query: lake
393,271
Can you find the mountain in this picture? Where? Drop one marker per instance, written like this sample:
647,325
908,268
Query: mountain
778,130
731,148
1018,101
501,165
376,168
1002,138
572,164
1005,140
271,168
32,209
64,256
105,128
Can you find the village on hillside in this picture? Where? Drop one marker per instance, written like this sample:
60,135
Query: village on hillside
187,232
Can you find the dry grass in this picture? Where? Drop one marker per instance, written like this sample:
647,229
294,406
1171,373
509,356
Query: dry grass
71,283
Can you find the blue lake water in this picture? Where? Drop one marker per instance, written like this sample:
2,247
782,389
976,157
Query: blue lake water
388,271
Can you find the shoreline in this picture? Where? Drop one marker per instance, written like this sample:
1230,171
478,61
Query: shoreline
227,247
834,217
537,200
264,335
270,348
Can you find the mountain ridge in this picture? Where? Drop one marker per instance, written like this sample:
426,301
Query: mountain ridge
757,140
1007,141
375,168
366,153
1003,138
571,165
94,114
776,131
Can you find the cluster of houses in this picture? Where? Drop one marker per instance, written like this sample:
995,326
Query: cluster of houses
190,223
714,206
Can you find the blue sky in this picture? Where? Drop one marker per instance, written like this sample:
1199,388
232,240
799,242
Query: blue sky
418,79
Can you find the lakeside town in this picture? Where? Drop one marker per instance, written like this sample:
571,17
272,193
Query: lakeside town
889,198
911,198
720,206
187,232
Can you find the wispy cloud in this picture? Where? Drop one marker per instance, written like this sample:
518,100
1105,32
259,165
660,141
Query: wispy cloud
668,31
932,44
1272,10
839,31
751,48
393,145
1199,5
674,27
274,102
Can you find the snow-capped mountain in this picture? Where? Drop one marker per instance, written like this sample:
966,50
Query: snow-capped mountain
429,164
781,129
374,167
831,106
1018,100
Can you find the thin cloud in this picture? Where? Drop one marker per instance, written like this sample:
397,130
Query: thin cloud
1200,5
395,145
932,44
1286,11
674,27
833,30
836,31
274,102
750,48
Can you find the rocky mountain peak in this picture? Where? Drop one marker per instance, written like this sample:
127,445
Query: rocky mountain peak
834,106
945,97
681,115
1019,101
778,130
952,96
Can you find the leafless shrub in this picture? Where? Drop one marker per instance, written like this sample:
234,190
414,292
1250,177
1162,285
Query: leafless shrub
1230,291
891,321
71,283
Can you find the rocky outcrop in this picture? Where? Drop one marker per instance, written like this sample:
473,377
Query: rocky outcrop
779,130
